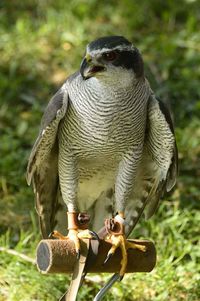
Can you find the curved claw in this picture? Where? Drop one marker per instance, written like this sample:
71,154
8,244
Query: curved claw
106,287
94,235
121,278
107,258
78,254
50,235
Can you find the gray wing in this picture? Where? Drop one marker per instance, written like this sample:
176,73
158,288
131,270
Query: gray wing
42,168
158,168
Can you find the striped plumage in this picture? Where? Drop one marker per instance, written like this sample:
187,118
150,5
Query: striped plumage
106,143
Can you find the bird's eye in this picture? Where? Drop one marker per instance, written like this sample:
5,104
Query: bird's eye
109,56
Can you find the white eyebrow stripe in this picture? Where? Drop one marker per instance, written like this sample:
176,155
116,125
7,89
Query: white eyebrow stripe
102,50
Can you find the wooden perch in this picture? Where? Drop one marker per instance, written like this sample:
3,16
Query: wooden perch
59,256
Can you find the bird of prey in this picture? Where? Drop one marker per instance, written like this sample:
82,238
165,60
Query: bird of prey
106,147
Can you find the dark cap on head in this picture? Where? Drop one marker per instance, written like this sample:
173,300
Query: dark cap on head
108,42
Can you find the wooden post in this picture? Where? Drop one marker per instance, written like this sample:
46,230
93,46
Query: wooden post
59,256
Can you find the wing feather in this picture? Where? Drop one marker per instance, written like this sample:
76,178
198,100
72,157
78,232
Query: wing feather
42,168
157,172
162,149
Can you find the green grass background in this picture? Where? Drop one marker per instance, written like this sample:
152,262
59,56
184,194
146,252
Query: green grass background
41,43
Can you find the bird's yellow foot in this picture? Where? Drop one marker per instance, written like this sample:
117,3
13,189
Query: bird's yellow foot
75,235
118,240
78,229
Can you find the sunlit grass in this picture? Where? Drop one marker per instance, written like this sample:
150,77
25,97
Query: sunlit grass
176,276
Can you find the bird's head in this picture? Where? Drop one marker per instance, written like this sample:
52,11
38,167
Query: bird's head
111,57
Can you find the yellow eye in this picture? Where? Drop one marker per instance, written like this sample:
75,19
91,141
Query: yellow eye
109,56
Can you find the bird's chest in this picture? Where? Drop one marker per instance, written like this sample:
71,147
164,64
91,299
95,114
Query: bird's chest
103,122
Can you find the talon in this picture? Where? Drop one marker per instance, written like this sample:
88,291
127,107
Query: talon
50,235
58,235
118,240
78,254
75,235
121,278
77,225
107,258
94,235
131,245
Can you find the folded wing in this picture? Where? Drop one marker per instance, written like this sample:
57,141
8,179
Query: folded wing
42,168
158,169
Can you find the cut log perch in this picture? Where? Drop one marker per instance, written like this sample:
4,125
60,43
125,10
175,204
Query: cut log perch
59,256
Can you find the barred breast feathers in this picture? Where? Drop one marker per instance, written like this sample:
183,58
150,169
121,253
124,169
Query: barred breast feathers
105,117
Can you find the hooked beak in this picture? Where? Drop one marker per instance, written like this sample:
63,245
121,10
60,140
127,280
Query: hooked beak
89,68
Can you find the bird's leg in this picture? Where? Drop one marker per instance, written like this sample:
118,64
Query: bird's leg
78,229
123,188
69,178
116,236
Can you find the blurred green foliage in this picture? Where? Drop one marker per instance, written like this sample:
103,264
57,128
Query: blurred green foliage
41,43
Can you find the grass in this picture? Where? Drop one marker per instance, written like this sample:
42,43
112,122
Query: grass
176,276
41,43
